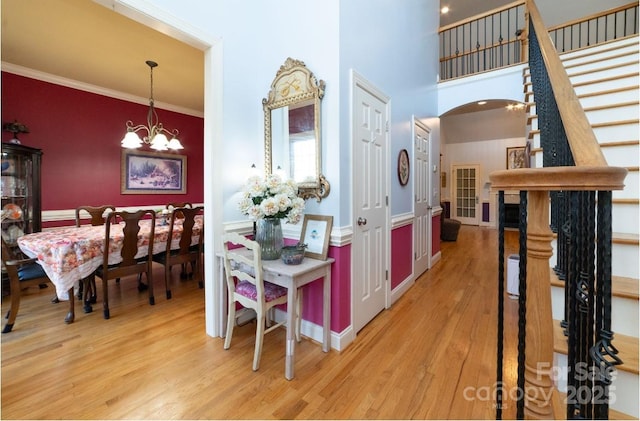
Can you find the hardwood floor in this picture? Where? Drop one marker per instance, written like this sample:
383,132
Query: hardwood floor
430,356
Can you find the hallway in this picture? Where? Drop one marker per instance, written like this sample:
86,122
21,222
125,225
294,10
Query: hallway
431,356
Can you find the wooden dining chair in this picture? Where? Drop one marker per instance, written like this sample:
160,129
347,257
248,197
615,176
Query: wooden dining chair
24,273
97,217
245,285
173,205
186,253
130,265
96,214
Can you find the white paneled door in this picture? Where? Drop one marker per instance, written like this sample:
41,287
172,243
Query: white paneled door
422,208
370,206
466,191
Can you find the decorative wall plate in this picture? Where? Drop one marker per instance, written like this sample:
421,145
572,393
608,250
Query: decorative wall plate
403,167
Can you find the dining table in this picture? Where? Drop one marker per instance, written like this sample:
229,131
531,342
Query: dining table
70,254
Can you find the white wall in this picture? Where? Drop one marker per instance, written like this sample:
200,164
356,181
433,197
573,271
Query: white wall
491,155
394,47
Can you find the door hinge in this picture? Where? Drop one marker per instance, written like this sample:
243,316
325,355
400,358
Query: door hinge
386,199
387,126
386,275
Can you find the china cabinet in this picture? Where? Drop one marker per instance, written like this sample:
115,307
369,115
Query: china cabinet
20,191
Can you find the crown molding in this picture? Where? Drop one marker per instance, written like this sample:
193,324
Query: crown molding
86,87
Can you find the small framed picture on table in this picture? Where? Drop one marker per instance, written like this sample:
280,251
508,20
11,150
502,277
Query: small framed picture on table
316,231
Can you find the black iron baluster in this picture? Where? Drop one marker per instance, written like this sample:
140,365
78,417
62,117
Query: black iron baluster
570,284
499,365
522,303
603,353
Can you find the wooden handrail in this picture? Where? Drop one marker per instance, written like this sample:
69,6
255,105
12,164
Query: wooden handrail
593,16
583,178
582,141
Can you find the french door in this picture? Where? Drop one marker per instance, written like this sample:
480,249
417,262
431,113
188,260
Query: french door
466,191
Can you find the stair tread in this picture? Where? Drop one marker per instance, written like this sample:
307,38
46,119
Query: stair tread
621,286
627,347
559,410
626,238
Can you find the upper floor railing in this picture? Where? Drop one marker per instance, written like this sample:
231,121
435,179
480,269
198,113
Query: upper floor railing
498,38
595,29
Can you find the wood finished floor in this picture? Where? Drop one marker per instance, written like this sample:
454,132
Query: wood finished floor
430,356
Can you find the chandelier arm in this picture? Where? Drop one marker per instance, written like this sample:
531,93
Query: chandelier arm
154,127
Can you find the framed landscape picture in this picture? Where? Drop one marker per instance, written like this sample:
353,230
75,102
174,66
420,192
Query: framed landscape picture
153,173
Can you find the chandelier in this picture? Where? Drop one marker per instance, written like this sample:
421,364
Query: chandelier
156,135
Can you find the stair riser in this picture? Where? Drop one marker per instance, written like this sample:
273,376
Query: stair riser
623,394
598,86
595,63
626,112
624,312
631,187
600,52
622,156
609,98
625,155
605,115
616,133
624,261
602,73
629,94
625,219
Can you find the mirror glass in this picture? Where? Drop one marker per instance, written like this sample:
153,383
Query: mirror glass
292,129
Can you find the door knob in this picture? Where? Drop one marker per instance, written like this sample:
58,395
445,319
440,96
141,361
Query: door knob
362,221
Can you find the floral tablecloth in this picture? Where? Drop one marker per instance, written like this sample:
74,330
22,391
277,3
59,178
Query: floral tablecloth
69,254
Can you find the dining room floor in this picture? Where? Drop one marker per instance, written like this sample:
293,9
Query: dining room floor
430,356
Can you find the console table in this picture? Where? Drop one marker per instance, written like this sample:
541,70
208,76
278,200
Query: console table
294,277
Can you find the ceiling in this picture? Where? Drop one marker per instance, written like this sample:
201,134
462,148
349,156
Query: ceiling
462,9
85,41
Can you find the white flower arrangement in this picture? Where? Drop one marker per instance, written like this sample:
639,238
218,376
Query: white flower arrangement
271,198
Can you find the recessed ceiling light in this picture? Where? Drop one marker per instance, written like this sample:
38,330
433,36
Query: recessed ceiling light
482,102
444,10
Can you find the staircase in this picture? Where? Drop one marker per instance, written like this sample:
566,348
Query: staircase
606,80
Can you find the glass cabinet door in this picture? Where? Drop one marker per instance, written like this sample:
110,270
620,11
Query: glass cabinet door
20,192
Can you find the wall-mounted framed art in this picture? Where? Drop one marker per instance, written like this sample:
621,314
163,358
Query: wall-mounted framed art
516,157
152,173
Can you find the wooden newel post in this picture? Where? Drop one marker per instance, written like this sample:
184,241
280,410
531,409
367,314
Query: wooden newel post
539,388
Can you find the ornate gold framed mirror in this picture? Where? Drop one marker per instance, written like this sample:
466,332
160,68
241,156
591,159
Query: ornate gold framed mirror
292,136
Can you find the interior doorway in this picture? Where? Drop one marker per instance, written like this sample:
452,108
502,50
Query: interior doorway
140,11
466,194
370,245
422,206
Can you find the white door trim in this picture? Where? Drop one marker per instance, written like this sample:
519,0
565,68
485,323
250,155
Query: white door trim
148,14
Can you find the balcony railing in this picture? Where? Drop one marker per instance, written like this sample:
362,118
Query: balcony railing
498,38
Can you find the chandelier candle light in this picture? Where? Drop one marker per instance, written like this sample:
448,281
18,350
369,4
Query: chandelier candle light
156,136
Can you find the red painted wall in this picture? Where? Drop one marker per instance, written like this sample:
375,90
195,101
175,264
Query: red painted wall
401,254
79,134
